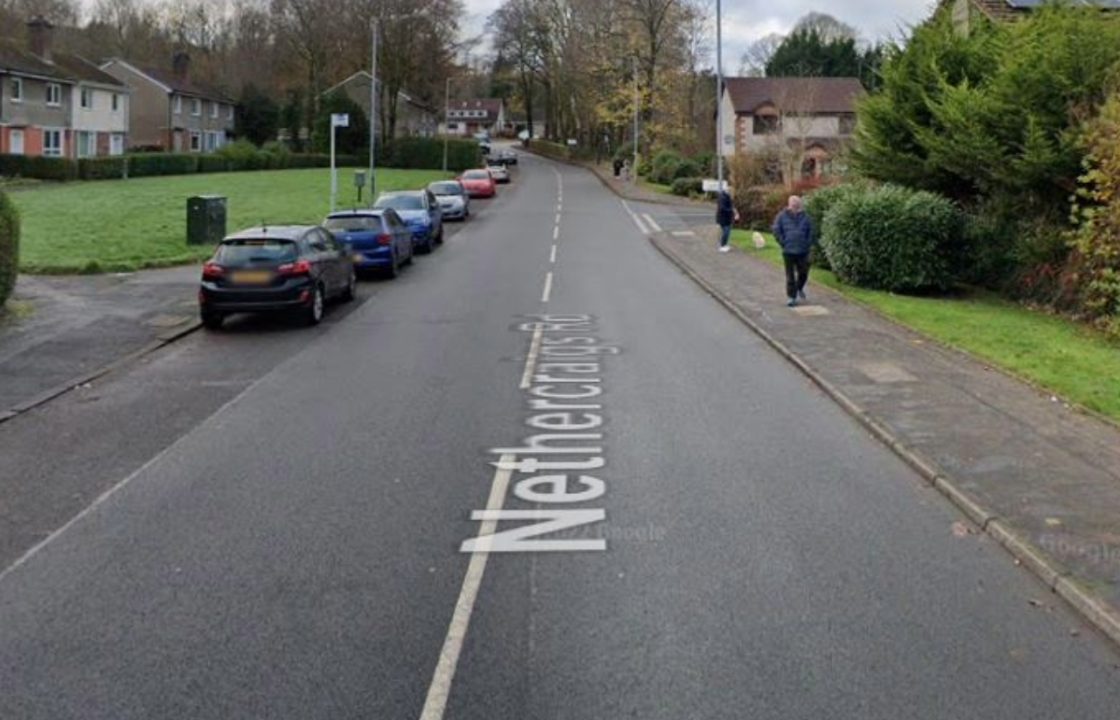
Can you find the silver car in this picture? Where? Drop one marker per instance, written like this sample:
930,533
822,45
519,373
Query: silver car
500,173
454,202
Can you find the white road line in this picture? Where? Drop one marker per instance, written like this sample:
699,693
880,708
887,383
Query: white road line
652,223
547,287
557,218
435,704
556,233
531,360
552,255
637,220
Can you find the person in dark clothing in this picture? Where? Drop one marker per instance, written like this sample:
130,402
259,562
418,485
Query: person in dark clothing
794,232
726,216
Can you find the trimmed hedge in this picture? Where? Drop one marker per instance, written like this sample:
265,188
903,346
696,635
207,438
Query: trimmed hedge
688,186
419,153
42,168
102,168
152,164
818,204
9,247
550,149
893,238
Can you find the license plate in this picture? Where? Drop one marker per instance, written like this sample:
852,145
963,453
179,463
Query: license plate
251,277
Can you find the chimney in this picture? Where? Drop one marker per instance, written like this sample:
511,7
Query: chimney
180,65
39,35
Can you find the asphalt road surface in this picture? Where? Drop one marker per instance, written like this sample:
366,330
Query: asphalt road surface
539,476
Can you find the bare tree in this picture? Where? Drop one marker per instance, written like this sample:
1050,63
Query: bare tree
757,55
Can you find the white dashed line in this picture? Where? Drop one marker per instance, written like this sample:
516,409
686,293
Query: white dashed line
547,287
652,223
552,255
556,233
531,359
637,220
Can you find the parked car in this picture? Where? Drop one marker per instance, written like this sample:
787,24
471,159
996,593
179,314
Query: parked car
453,199
479,183
499,172
294,268
375,239
420,211
505,157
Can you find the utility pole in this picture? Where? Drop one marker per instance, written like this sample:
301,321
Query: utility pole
446,118
637,109
373,30
719,95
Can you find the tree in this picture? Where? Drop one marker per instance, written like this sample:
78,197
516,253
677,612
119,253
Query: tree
351,140
807,53
758,54
258,116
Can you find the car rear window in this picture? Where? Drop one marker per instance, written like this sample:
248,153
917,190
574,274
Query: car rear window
476,174
446,188
251,251
354,223
400,202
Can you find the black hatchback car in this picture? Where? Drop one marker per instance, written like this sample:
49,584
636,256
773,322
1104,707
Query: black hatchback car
294,268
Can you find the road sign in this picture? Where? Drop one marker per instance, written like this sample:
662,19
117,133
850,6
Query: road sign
712,185
572,143
340,120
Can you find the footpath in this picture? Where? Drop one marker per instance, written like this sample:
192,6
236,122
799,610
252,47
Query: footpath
1038,477
60,332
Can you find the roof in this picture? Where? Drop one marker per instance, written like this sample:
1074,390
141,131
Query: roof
358,212
65,67
365,77
824,96
1011,9
280,232
184,86
492,106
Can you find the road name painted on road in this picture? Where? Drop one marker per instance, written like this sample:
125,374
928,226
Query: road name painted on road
550,469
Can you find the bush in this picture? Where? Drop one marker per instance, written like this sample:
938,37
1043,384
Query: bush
213,164
103,168
687,187
420,153
758,206
817,206
893,238
40,168
549,149
663,170
308,160
9,247
242,155
150,164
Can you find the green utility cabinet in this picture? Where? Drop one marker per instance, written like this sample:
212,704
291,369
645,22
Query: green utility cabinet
206,219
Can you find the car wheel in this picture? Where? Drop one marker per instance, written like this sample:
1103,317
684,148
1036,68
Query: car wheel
411,252
212,320
394,268
313,313
439,237
351,290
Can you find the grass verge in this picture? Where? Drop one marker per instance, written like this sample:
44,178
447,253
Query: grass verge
127,225
1069,359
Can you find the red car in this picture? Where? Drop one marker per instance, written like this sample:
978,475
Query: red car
479,183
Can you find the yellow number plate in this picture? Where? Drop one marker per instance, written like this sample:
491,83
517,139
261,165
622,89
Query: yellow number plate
251,277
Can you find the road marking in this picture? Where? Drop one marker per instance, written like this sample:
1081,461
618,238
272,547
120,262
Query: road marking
552,255
547,287
637,220
559,206
556,233
435,704
531,359
652,223
557,218
683,233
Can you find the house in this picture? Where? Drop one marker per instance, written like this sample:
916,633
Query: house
966,13
805,121
414,117
468,117
58,104
172,111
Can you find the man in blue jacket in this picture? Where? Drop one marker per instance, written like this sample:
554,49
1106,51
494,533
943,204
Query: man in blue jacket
726,215
794,231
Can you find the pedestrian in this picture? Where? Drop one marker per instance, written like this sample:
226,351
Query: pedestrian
626,170
726,216
794,232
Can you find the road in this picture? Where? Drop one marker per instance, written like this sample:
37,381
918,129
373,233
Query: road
279,529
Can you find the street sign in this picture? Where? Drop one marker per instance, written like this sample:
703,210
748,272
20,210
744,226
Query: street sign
711,186
572,143
340,120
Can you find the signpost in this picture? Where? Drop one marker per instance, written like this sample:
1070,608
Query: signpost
374,30
711,186
337,120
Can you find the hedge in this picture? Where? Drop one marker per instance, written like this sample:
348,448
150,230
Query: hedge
42,168
418,153
9,247
818,204
894,238
688,186
149,164
550,149
102,168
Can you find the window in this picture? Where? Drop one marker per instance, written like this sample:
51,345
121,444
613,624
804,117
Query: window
196,107
847,124
211,141
116,102
52,143
86,99
116,144
178,104
54,94
213,109
87,144
17,90
767,124
196,141
229,112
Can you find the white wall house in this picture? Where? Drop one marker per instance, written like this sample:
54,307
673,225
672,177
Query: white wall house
99,116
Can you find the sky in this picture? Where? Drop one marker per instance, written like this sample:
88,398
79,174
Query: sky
747,20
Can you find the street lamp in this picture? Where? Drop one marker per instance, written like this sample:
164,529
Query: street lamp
719,95
446,118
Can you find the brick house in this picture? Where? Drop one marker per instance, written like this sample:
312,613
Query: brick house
58,104
172,111
966,13
806,121
414,117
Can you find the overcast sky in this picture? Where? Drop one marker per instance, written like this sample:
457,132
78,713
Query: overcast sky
747,20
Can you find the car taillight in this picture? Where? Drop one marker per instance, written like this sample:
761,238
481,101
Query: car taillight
299,267
384,239
212,271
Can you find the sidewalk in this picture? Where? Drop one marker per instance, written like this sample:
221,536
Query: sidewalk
62,331
629,191
1039,478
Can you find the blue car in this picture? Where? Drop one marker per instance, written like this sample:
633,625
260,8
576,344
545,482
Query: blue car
375,239
420,211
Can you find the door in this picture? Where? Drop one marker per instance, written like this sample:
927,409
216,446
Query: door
16,142
116,144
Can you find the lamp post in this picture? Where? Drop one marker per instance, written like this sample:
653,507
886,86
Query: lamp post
637,109
719,95
373,30
446,118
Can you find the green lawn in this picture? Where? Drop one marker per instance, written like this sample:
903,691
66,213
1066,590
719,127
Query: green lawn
122,225
1069,359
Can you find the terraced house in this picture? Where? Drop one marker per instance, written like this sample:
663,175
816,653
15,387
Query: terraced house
58,104
171,110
